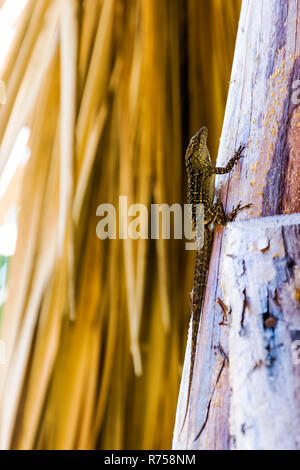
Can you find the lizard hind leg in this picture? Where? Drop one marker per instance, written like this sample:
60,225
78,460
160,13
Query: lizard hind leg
231,217
215,213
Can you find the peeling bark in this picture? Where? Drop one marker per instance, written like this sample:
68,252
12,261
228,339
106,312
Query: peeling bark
265,322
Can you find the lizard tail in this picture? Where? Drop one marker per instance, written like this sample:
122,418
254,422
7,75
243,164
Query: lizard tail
201,269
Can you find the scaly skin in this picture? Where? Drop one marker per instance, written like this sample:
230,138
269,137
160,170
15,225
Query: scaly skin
201,190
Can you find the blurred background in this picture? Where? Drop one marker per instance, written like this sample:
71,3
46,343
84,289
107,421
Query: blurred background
102,97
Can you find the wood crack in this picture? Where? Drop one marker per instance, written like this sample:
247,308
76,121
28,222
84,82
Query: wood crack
211,397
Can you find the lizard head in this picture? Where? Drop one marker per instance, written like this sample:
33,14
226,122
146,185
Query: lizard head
197,150
199,140
202,135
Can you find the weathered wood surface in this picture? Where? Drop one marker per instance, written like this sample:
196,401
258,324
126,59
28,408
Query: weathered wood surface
263,111
261,288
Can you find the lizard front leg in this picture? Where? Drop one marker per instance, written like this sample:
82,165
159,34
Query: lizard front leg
238,154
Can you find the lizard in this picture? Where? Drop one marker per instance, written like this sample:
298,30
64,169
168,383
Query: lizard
201,190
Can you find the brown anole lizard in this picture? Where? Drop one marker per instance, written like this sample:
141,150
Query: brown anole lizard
201,190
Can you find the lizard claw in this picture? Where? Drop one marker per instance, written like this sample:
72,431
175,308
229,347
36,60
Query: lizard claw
239,152
241,148
236,209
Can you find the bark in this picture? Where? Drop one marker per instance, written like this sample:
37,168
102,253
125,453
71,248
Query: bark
263,111
261,276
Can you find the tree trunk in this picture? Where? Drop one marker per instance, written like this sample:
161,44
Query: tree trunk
261,286
252,293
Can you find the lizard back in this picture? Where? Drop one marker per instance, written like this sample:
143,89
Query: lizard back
200,191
